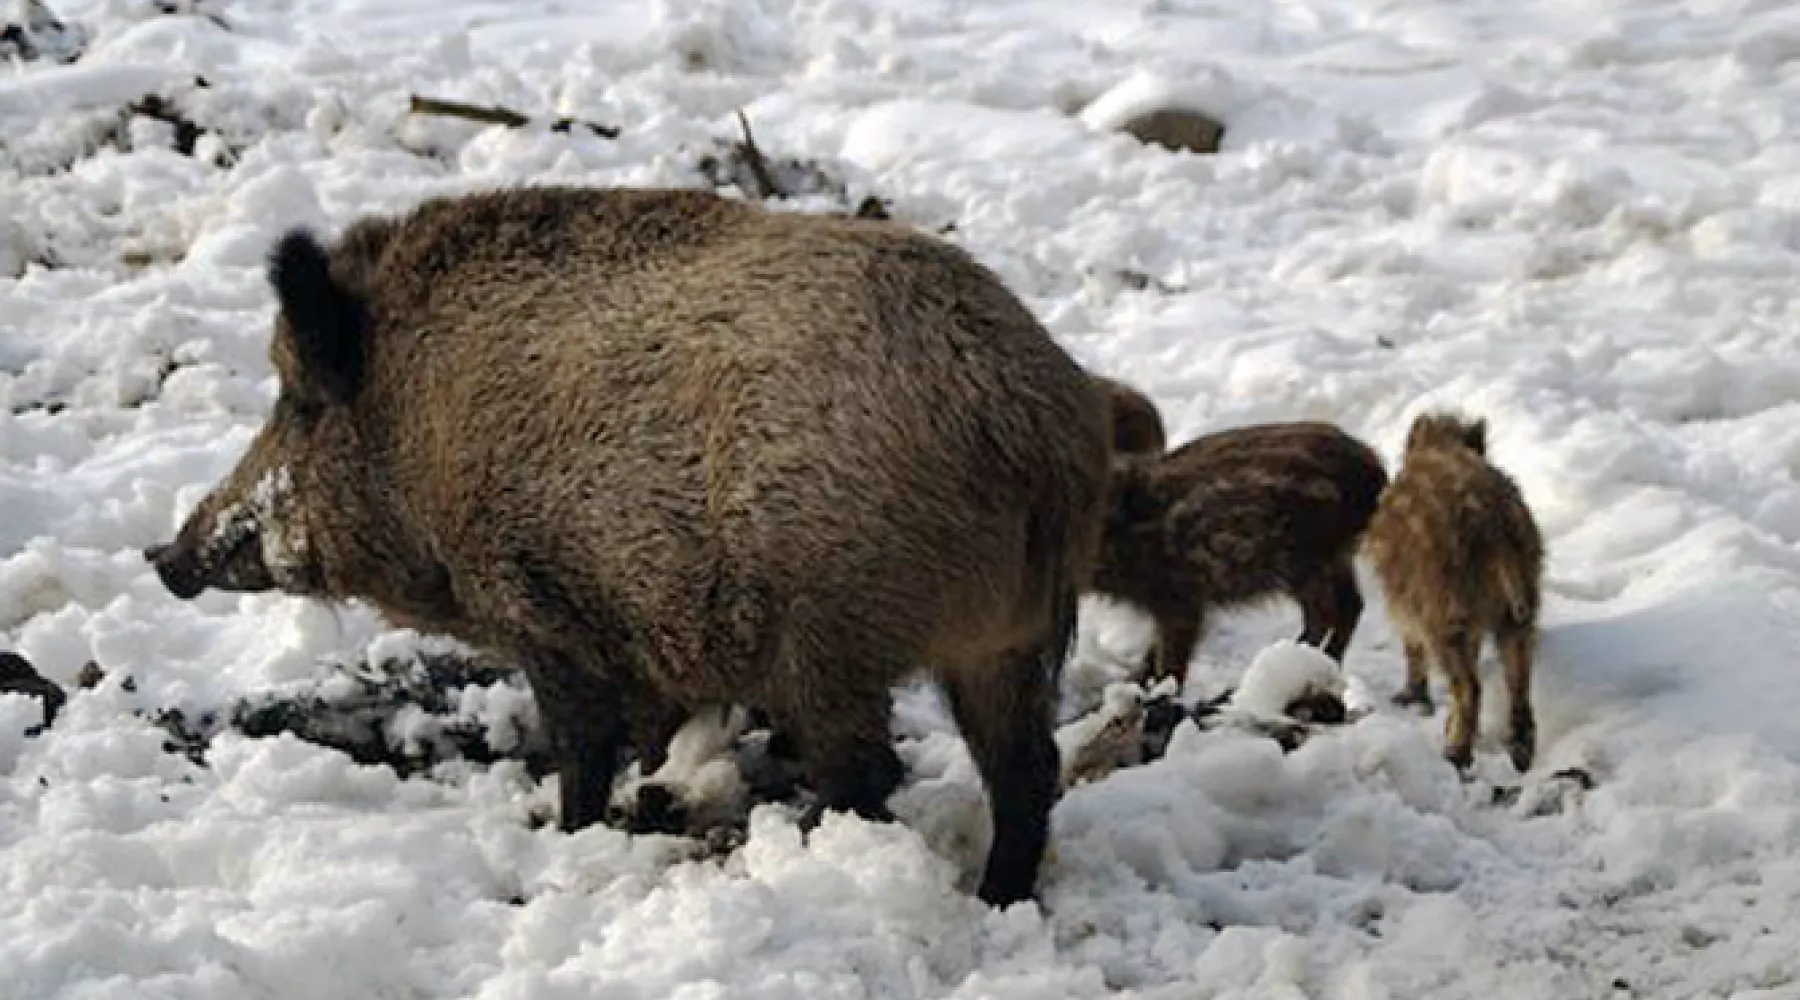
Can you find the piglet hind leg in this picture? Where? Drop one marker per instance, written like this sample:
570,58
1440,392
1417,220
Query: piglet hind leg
1457,652
1518,644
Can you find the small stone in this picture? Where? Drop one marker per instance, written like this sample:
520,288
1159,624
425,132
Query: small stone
1577,775
872,207
1697,938
1176,129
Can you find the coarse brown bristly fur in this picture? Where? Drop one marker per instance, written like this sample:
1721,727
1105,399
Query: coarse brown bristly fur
1137,426
1460,557
1239,516
666,449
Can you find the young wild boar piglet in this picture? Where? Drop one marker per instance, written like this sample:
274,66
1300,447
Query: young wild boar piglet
1137,426
1239,516
1459,557
665,449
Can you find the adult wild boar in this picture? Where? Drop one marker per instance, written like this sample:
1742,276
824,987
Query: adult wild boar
665,450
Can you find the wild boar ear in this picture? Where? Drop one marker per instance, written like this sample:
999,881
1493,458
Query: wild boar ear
1415,432
328,321
1476,435
1128,491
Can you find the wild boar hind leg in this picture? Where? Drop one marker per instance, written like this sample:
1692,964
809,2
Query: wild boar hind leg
583,714
834,703
847,752
1005,711
1332,605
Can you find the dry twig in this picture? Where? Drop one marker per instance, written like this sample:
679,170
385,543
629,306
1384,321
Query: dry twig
759,167
500,116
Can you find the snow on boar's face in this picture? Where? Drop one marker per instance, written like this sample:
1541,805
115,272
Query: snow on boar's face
255,531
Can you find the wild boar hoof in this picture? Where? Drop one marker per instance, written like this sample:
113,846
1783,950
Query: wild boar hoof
1463,759
1417,700
1522,746
1001,889
1522,752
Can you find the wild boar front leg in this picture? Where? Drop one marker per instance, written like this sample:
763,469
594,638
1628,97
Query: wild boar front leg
583,714
1416,694
1332,604
847,752
1177,635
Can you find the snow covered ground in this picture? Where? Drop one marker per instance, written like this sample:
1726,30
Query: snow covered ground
1580,218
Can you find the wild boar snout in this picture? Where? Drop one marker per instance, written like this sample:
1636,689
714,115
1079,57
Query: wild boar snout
233,563
223,545
180,576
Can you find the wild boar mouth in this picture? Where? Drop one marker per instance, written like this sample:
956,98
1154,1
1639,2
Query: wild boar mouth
232,561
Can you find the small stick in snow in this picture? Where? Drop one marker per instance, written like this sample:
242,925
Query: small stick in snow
39,34
191,7
17,676
499,116
154,107
759,167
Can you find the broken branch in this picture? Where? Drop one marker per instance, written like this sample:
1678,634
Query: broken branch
759,167
499,116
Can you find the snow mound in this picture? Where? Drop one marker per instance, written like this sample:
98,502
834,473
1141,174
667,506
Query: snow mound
1211,92
1283,673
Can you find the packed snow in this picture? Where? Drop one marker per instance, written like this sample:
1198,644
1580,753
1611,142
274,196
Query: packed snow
1578,218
